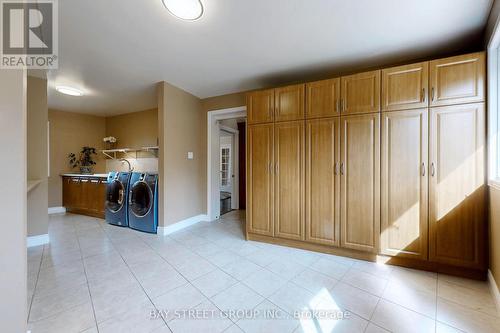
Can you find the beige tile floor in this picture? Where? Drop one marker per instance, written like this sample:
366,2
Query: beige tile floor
94,277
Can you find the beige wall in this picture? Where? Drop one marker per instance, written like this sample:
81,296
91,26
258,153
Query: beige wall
13,294
223,102
495,233
69,132
184,181
134,130
37,114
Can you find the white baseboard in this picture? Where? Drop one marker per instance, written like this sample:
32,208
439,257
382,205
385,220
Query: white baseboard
169,229
494,290
57,210
38,240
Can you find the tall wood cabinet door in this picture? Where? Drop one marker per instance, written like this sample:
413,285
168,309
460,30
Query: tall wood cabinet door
361,93
457,217
260,190
405,87
322,219
360,182
289,103
260,106
404,180
323,98
458,80
289,180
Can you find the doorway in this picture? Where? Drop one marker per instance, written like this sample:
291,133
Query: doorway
223,161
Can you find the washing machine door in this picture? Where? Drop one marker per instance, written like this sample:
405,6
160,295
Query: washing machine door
115,196
141,199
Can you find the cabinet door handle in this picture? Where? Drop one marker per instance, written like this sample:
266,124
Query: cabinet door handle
423,95
432,93
342,168
433,169
423,169
337,105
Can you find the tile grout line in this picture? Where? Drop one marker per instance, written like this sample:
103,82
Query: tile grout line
436,308
217,267
36,283
142,287
184,277
87,279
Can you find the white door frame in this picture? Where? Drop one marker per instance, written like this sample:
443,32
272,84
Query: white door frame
213,128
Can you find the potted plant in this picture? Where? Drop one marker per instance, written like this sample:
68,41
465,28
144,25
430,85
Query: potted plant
84,160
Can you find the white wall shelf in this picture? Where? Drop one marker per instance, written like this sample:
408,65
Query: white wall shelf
128,152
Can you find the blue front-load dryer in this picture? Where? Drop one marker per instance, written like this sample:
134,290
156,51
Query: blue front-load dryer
116,198
143,202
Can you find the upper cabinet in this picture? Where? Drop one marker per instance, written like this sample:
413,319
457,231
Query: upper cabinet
280,104
405,87
457,80
289,103
260,106
323,98
361,93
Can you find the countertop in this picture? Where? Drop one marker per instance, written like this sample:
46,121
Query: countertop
95,175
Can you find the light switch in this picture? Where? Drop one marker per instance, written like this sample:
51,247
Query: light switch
190,155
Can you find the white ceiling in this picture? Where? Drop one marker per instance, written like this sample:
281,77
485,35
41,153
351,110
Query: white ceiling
116,50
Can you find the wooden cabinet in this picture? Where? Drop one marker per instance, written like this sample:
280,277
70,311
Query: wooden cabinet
260,179
328,171
84,195
260,106
323,98
280,104
458,80
361,93
360,182
322,219
405,87
289,103
404,183
457,219
289,180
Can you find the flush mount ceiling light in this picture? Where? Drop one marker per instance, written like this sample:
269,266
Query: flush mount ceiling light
69,91
185,9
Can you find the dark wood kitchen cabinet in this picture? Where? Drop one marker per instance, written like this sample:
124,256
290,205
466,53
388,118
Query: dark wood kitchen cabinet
85,195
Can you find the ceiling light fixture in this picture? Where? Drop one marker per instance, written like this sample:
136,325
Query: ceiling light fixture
184,9
69,91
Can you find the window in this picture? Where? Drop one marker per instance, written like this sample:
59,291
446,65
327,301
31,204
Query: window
493,116
225,165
